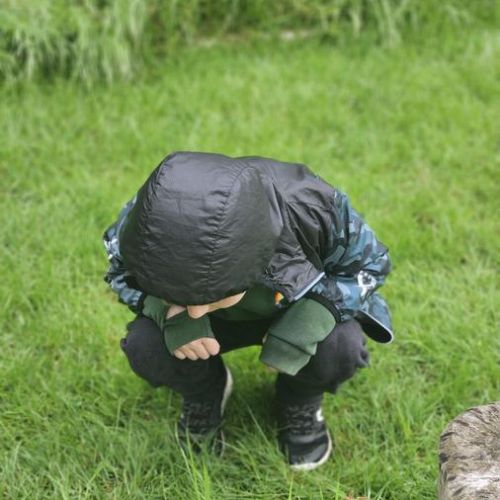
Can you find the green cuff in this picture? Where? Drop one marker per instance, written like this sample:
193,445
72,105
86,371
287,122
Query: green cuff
293,337
155,309
181,329
285,357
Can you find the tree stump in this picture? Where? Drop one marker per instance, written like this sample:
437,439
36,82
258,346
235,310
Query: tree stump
469,455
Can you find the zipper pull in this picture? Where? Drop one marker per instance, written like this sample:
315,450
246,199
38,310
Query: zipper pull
279,300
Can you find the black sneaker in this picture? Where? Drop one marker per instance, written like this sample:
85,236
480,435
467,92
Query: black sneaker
200,423
303,436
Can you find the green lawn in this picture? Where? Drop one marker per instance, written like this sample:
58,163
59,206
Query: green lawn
412,134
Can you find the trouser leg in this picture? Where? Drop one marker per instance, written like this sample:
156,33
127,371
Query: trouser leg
337,359
149,358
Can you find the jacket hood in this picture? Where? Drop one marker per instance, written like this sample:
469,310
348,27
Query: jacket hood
204,227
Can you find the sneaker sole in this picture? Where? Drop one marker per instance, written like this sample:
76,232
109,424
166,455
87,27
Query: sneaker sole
321,461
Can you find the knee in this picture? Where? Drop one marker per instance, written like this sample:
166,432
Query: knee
341,353
142,339
346,345
146,351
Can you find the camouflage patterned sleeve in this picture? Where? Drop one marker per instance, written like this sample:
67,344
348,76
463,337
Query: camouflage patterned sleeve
355,266
117,274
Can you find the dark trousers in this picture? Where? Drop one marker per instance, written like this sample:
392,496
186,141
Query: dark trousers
336,360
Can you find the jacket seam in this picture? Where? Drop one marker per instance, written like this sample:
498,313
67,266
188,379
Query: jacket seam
220,217
317,205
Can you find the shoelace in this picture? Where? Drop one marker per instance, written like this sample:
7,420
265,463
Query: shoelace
196,417
300,419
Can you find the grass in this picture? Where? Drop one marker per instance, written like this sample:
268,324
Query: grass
410,133
108,40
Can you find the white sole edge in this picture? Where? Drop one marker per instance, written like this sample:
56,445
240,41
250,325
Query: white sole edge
228,389
313,465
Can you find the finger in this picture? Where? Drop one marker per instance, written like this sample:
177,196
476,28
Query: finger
212,346
200,350
174,310
190,354
179,354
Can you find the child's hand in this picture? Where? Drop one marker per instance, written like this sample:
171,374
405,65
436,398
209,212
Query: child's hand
197,349
173,310
200,348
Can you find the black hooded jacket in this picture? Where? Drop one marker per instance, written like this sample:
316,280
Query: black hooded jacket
206,226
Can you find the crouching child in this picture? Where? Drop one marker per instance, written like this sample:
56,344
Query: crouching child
216,253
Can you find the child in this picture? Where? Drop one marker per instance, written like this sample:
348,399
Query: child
217,253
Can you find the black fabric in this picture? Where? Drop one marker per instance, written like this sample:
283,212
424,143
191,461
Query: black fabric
336,360
226,224
195,221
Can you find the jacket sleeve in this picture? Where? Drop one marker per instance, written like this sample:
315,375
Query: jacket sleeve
117,276
356,263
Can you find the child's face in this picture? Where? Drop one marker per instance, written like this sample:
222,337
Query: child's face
198,311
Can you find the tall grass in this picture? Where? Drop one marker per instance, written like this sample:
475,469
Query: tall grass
106,40
88,40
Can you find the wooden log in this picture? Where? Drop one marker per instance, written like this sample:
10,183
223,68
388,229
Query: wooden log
469,455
